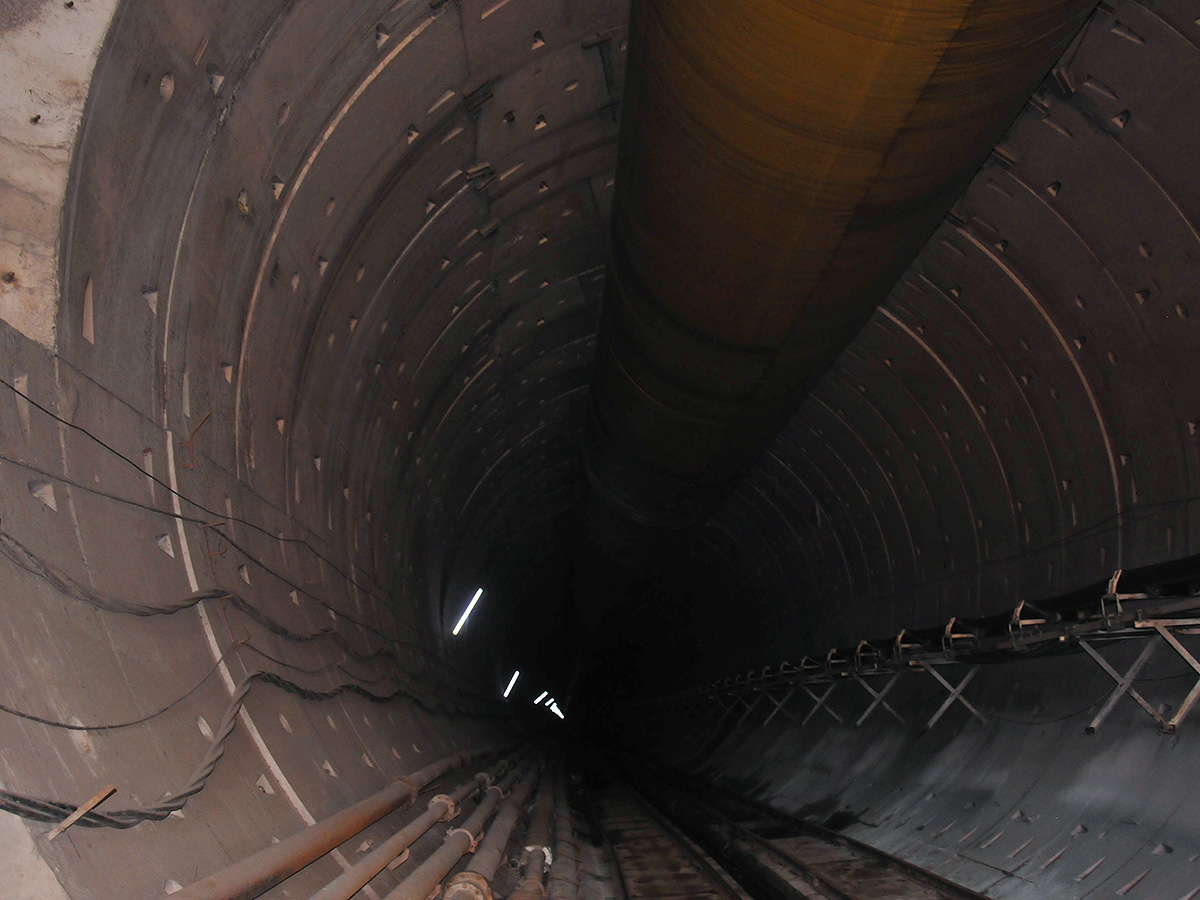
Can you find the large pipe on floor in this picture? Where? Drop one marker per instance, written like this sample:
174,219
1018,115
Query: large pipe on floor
261,871
563,881
475,882
781,163
458,843
442,808
537,856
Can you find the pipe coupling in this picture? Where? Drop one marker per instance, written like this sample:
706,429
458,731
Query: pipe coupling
448,802
413,790
468,886
474,841
547,855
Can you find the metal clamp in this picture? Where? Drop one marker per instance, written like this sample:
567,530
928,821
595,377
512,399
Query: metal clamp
472,838
451,809
547,855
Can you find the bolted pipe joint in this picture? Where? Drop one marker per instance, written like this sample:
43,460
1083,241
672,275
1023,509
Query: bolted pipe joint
468,886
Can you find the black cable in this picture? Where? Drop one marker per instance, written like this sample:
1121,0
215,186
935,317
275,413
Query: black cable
212,513
146,718
1072,715
204,523
26,559
54,811
43,810
165,709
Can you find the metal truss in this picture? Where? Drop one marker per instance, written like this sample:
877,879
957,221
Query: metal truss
1120,617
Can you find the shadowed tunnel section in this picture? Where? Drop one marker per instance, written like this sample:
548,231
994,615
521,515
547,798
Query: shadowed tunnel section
351,324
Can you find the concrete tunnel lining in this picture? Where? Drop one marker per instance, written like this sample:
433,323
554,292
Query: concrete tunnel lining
1017,421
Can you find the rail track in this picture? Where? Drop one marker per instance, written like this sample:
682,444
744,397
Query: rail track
776,857
655,861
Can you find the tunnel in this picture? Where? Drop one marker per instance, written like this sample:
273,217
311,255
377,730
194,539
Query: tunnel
780,404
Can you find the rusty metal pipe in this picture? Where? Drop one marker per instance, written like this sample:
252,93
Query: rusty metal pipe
564,872
781,163
261,871
458,843
476,882
442,808
537,851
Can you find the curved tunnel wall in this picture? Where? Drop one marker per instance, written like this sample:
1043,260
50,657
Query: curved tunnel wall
1024,804
329,283
1019,419
320,261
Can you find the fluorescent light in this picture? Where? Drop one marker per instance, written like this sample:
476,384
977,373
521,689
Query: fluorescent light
511,682
541,697
467,611
550,702
558,712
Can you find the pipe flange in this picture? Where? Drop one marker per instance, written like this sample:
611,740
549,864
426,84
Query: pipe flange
468,886
413,790
448,801
485,777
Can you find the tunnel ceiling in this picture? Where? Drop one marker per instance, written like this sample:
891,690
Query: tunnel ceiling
355,252
1019,419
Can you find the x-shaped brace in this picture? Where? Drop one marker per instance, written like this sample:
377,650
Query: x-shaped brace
726,710
1194,694
820,703
878,697
956,693
779,706
735,701
749,707
1125,684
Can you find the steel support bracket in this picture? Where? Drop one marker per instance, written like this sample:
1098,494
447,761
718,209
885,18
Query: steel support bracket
821,704
878,697
779,704
1194,694
749,708
1124,685
956,693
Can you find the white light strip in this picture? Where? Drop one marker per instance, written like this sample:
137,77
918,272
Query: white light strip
541,697
558,712
511,682
467,611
